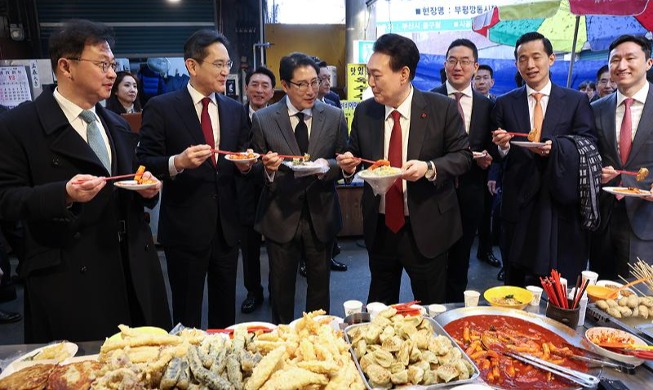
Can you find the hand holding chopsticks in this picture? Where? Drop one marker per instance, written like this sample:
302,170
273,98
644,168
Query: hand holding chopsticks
641,174
127,176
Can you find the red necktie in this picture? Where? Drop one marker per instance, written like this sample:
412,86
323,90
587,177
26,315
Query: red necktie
207,128
394,198
626,133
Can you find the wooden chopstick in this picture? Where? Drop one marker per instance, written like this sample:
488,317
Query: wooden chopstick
517,134
108,178
360,158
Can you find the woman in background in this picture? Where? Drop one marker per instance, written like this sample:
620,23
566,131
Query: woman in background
124,94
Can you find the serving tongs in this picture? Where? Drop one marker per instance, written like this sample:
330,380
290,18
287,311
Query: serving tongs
578,377
599,360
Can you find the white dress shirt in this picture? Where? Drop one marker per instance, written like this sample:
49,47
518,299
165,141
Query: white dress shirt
466,102
294,120
636,110
72,111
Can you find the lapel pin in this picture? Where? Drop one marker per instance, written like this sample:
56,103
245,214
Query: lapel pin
423,115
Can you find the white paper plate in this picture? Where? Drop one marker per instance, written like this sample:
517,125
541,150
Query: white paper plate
479,154
253,323
228,157
527,144
132,185
26,360
617,191
614,355
305,166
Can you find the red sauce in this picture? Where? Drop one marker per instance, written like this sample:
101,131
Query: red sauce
505,372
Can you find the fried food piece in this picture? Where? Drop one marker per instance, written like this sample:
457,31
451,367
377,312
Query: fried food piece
265,368
642,174
379,163
29,378
56,352
293,378
139,178
74,376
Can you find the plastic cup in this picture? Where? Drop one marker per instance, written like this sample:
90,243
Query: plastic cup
590,276
436,309
352,307
471,298
537,294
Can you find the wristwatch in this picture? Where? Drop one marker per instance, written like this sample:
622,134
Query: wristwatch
430,170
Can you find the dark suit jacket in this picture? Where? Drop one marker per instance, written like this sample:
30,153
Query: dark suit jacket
640,212
249,190
473,183
73,257
282,200
436,134
548,226
196,200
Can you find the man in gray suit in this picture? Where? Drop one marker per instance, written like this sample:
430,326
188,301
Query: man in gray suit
299,214
625,138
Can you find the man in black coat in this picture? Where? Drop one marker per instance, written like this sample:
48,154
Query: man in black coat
90,263
461,63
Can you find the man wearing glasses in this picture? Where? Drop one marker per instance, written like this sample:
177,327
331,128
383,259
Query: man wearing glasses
299,213
198,225
474,110
604,84
90,262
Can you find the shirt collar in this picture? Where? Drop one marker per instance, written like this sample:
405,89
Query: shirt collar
546,91
197,96
70,109
639,96
404,107
308,112
450,89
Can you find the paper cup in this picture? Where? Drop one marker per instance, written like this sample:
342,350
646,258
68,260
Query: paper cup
471,298
374,308
537,294
590,276
352,307
435,309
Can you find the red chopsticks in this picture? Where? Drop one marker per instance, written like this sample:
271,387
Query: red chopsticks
108,178
250,329
218,151
557,292
517,134
360,158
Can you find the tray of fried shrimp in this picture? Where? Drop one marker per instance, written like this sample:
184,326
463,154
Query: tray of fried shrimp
394,351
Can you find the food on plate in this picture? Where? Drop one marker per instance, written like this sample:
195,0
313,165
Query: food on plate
507,300
606,337
630,306
378,164
514,335
32,377
138,177
301,160
642,173
74,376
631,190
533,136
57,352
247,155
384,170
394,350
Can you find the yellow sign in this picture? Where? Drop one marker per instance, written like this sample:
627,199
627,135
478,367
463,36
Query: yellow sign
356,81
348,108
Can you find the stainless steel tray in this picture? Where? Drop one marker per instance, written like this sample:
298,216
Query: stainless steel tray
438,330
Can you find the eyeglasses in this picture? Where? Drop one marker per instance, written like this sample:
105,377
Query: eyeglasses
102,64
606,81
455,61
220,64
303,85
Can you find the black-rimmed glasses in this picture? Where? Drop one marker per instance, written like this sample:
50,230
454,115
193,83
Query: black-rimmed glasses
303,86
101,64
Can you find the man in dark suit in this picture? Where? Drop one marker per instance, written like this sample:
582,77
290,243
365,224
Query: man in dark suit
90,262
461,63
198,226
259,89
541,210
625,134
299,214
415,223
605,86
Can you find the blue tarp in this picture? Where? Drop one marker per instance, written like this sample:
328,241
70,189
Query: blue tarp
428,72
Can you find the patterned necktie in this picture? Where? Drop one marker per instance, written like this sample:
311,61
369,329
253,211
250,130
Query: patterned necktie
626,132
394,198
458,96
207,127
538,116
301,133
94,138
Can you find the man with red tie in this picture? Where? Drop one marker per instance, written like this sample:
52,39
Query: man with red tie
415,223
198,226
625,139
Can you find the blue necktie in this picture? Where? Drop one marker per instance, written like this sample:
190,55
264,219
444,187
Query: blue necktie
94,138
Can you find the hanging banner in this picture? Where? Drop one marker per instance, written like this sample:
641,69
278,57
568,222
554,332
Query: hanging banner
356,81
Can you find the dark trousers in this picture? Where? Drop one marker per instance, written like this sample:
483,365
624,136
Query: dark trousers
485,237
610,248
250,247
515,275
284,260
391,253
188,267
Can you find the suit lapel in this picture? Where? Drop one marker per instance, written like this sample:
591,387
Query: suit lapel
285,128
645,127
377,124
608,124
521,112
556,104
123,142
188,114
417,125
317,127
